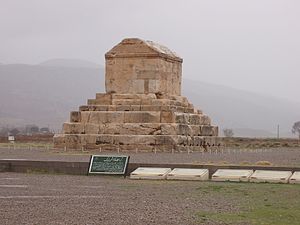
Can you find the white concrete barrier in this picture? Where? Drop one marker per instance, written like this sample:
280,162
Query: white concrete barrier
295,178
232,175
150,173
188,174
270,176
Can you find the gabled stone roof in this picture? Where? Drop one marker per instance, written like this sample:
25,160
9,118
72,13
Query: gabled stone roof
135,47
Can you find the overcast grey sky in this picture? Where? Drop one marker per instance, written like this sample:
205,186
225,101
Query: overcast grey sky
252,45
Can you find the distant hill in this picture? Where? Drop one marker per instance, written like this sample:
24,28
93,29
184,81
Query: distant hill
45,94
243,111
70,63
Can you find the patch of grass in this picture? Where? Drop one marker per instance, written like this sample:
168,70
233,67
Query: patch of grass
256,204
263,215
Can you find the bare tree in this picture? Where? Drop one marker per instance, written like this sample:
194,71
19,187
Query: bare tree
14,132
296,129
228,132
4,131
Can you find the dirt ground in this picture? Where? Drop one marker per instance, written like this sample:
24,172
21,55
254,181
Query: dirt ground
276,156
63,199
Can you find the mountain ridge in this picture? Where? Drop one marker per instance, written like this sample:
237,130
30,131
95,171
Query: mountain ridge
45,95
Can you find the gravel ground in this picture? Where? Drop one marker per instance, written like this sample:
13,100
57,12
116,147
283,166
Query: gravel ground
106,200
277,156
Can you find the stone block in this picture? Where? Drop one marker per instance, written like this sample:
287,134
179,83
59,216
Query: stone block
161,102
134,96
169,140
112,108
73,141
93,108
73,128
215,131
154,86
134,139
141,117
169,129
103,99
106,117
182,140
146,101
184,129
133,128
207,130
138,86
104,139
167,117
135,108
194,119
232,175
270,176
182,118
209,141
91,102
188,174
179,109
204,120
165,108
150,108
84,108
125,96
75,117
91,128
150,173
188,110
123,108
195,130
85,116
126,101
59,140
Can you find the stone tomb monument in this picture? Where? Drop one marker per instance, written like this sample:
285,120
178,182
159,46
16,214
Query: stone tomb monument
142,108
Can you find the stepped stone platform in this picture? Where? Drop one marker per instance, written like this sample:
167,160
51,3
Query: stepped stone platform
142,107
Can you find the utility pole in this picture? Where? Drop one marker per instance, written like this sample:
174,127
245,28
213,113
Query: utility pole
278,131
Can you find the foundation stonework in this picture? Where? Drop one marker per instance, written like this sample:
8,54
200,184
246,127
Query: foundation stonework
142,108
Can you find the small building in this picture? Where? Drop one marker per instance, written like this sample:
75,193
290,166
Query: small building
136,66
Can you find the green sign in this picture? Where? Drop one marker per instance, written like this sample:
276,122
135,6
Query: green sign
108,164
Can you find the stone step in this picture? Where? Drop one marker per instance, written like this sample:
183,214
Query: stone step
108,97
138,108
134,141
147,101
140,128
103,117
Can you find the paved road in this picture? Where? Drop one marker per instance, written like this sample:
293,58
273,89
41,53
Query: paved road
277,157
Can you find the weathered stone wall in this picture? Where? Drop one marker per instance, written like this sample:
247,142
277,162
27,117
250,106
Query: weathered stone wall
141,70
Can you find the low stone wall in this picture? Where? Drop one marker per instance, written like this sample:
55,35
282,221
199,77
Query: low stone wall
81,168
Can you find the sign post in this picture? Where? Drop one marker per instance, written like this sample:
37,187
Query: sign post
108,164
